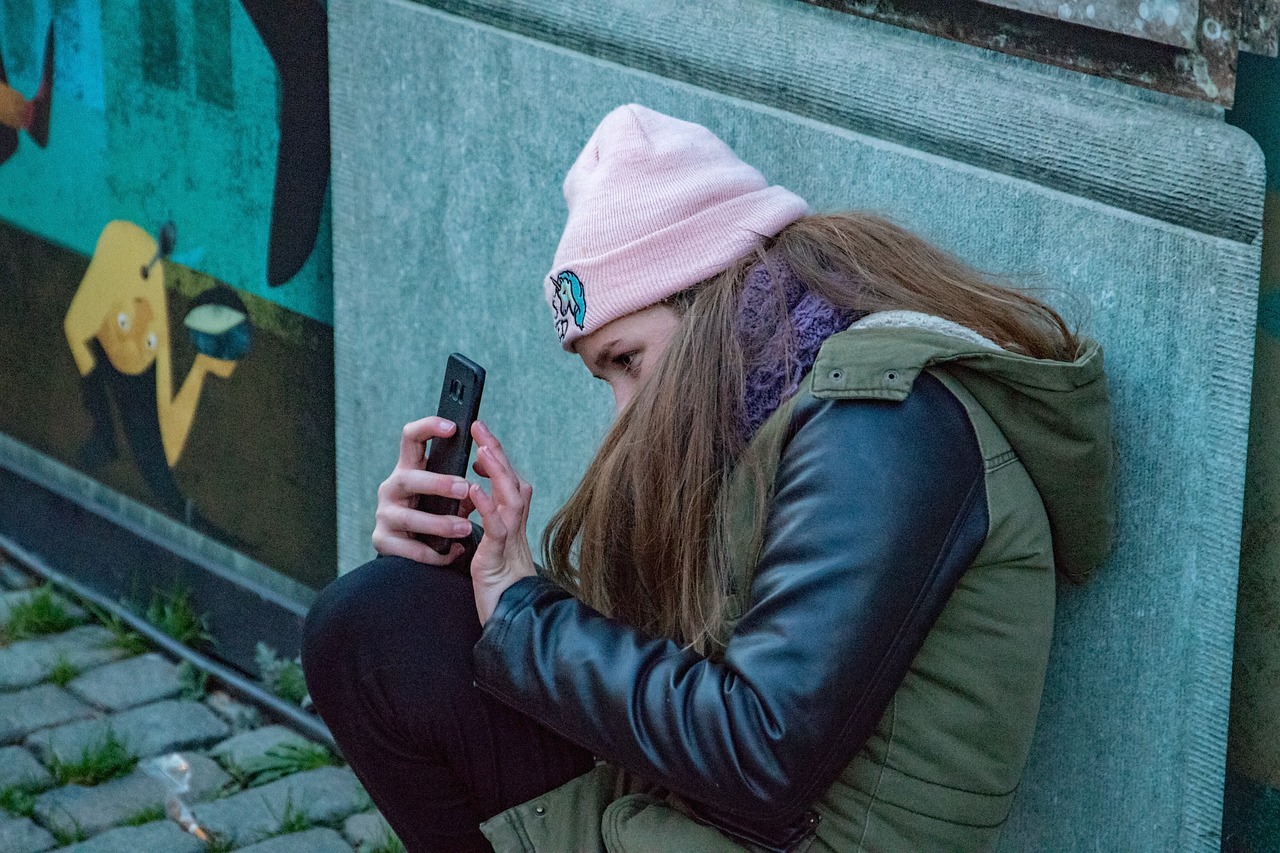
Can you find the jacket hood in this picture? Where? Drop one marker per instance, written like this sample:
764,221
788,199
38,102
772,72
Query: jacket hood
1055,414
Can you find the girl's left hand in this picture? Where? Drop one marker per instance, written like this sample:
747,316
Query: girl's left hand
503,556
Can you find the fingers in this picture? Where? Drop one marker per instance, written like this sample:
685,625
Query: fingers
405,483
491,461
417,551
403,519
415,435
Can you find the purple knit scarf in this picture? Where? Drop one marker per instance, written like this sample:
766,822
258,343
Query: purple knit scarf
781,324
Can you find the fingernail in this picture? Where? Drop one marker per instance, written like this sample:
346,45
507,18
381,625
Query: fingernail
460,489
445,422
462,528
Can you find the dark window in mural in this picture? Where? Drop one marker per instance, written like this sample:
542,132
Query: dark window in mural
213,52
159,25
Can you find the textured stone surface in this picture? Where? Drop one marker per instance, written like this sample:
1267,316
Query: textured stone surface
13,578
136,681
318,840
28,661
97,807
324,795
20,835
19,767
161,836
248,748
24,711
1137,693
367,830
147,730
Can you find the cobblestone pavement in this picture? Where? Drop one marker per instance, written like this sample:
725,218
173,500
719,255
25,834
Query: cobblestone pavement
97,737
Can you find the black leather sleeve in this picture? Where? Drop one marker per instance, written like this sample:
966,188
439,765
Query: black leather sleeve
879,508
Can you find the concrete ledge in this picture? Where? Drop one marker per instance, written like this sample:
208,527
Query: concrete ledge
1070,131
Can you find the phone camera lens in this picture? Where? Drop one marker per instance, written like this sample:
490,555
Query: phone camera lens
455,389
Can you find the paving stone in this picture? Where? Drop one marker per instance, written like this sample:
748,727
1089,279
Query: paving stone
248,748
147,730
124,684
20,835
323,795
20,768
319,840
36,707
21,596
154,837
367,830
29,661
239,716
96,808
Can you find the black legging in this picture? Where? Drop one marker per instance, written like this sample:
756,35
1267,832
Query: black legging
387,655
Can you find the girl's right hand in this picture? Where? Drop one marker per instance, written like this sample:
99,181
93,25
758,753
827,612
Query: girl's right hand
398,520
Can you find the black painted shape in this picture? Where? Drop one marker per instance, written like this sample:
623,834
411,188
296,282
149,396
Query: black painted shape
297,37
115,558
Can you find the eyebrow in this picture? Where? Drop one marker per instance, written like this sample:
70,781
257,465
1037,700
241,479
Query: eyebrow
605,355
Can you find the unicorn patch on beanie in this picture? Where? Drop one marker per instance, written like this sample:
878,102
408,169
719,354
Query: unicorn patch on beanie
568,301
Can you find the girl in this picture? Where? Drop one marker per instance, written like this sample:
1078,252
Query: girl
802,598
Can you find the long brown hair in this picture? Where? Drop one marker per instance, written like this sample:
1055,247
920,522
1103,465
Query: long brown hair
643,537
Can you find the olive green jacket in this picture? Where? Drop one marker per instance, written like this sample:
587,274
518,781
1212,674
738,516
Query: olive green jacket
940,771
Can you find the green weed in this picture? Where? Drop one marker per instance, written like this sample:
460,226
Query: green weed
99,762
66,835
192,680
147,815
63,671
285,760
173,613
293,820
122,636
18,800
219,843
282,677
41,613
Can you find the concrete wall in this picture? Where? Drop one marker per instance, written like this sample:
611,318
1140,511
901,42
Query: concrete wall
1141,217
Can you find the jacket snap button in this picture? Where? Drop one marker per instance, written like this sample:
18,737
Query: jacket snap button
890,376
539,810
836,375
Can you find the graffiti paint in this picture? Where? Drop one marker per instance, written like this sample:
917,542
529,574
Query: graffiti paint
194,375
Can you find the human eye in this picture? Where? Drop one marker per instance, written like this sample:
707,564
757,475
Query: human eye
627,361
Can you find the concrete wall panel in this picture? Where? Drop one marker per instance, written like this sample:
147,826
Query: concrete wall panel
450,142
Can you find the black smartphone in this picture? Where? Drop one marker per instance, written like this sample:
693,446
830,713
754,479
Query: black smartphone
460,403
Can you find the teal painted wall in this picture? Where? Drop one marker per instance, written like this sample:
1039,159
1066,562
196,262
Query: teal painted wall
211,115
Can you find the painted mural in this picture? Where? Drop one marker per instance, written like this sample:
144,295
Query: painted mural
165,280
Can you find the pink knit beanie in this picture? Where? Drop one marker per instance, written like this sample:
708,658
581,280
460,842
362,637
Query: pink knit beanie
656,205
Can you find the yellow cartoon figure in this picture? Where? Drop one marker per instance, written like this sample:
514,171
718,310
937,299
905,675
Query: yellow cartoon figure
118,329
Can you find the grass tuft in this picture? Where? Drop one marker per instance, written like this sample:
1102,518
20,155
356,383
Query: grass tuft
282,677
285,760
101,761
122,636
173,613
66,835
18,800
192,680
293,820
63,671
42,613
147,815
